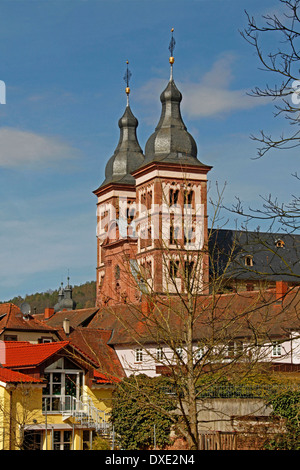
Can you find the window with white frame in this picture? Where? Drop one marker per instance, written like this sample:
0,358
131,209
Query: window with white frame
179,352
138,355
276,349
234,348
199,353
159,354
64,382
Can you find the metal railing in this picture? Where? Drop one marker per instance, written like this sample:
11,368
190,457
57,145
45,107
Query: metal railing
245,391
82,409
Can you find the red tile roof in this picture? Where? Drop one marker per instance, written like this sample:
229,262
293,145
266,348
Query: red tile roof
11,318
78,317
11,376
242,313
93,343
20,354
104,379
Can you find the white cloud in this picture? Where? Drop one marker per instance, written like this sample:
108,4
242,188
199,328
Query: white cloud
21,148
211,96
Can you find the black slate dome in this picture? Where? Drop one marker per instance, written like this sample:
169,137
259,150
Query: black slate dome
65,300
171,142
128,155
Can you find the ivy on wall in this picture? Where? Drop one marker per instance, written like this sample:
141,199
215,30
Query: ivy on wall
287,407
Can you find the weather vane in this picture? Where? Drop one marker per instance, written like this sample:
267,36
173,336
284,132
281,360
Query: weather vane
172,47
127,77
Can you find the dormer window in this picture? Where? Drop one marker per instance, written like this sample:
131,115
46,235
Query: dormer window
248,260
279,243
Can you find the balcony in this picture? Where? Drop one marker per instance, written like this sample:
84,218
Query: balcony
82,410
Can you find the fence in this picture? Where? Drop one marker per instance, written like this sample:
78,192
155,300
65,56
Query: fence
245,391
218,441
233,441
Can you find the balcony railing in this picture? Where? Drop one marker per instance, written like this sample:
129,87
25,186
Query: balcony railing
82,410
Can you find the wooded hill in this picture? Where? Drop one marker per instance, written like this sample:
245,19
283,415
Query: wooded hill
84,296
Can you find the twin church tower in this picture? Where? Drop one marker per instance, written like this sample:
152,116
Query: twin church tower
152,209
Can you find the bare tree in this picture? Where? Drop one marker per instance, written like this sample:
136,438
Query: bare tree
192,331
276,42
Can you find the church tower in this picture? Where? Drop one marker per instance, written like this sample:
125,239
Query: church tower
116,241
171,203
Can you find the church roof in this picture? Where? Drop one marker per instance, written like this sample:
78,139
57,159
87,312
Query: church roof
274,256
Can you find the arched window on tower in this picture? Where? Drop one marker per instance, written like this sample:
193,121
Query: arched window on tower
149,199
174,269
188,197
173,196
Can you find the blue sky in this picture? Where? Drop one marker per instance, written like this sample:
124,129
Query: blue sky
63,63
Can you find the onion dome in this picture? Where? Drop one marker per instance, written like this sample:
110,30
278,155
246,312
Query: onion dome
171,142
65,301
128,155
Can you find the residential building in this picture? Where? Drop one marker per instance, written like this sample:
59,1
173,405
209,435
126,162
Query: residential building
53,397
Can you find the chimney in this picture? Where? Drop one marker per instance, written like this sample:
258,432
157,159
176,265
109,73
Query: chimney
281,290
66,326
48,313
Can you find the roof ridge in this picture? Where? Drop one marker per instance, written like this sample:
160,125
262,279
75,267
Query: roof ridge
25,344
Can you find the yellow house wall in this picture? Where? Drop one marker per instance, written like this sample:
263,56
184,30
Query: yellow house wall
22,405
4,413
77,438
101,397
19,406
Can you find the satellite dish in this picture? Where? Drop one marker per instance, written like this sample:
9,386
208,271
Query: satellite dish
25,309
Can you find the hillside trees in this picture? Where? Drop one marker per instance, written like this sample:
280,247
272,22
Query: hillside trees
84,295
